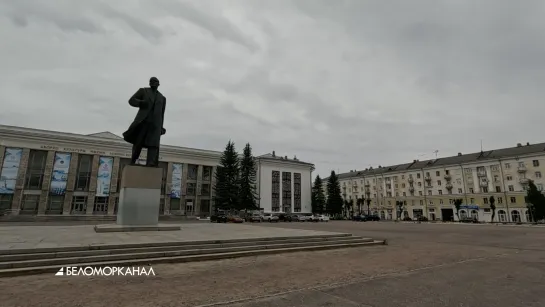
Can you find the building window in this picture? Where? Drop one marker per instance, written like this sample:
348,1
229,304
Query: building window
297,192
101,205
429,192
419,184
420,193
207,173
467,170
509,178
437,173
275,191
472,200
174,205
55,204
447,172
402,185
507,165
494,168
486,210
460,191
35,171
521,164
83,175
404,194
511,188
538,174
431,202
421,202
205,206
5,202
30,204
496,178
389,194
485,189
286,192
438,182
79,205
485,200
513,200
164,167
500,200
440,192
192,170
402,176
535,163
418,176
471,190
498,189
539,187
191,189
205,189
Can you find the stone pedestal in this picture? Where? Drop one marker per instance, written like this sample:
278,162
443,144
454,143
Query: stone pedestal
139,201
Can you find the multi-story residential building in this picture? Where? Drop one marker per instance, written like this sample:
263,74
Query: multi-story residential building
56,173
430,187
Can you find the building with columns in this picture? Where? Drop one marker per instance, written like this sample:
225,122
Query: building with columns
430,187
58,173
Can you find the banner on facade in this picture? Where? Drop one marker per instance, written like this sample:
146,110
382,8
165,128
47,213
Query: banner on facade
60,173
176,186
10,169
104,176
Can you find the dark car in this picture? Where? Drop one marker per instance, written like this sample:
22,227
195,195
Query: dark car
373,217
294,218
218,218
359,218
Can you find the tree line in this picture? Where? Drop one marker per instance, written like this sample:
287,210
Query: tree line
235,186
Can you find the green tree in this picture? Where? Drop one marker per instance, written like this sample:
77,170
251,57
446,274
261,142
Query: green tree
247,183
334,204
368,200
457,203
536,202
227,180
318,196
492,201
360,202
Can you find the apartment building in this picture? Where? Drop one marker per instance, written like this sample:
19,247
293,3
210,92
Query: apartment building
58,173
430,187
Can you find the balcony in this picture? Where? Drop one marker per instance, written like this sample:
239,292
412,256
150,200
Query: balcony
484,184
428,186
524,181
521,169
427,178
367,184
447,177
448,186
411,189
411,180
481,173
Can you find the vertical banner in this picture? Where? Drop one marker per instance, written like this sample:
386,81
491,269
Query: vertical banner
104,176
10,169
60,173
176,186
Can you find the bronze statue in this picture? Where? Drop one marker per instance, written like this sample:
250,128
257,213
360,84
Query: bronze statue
147,127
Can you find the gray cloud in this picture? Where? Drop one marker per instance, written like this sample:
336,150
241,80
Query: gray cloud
344,84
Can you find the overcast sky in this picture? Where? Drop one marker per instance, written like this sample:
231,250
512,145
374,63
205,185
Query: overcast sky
342,84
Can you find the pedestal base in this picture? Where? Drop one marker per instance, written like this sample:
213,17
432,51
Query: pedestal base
129,228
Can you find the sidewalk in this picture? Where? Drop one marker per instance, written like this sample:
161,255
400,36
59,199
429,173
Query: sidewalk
479,224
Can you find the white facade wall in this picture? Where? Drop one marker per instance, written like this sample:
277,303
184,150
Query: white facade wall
265,169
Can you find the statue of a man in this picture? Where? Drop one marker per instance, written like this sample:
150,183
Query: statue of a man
147,127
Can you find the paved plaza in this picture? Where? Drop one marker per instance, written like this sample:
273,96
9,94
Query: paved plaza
424,265
29,237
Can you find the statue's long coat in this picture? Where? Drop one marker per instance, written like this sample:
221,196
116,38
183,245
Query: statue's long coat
147,126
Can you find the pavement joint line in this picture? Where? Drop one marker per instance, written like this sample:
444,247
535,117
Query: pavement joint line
321,288
344,299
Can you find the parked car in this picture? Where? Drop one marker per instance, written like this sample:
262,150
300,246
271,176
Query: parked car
269,217
255,218
218,218
373,217
320,218
294,218
236,219
359,218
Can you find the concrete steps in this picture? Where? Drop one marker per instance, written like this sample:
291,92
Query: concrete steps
50,260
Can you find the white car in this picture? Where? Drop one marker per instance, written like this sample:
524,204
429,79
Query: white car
268,217
321,218
306,218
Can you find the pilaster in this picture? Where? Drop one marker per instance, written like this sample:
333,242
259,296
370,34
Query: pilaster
198,193
70,183
20,184
46,182
212,190
92,185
